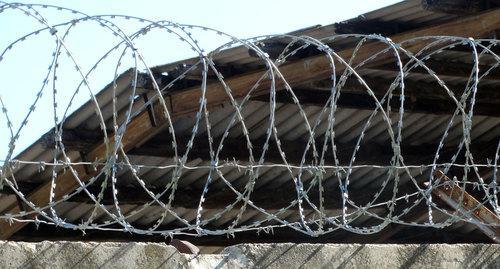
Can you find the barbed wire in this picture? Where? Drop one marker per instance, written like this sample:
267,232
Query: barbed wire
319,163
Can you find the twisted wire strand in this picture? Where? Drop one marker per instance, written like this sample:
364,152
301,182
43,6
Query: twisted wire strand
307,175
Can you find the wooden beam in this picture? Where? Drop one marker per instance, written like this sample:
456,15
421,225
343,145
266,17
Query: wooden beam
446,68
459,7
74,140
40,197
420,97
349,99
301,71
236,148
372,26
369,153
138,130
318,67
265,197
218,198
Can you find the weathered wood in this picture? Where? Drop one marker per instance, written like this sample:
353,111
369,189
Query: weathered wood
460,7
66,183
236,148
138,130
265,197
433,103
373,26
318,67
369,153
446,68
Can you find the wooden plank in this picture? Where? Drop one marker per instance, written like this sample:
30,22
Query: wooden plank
418,103
447,68
140,128
301,71
369,152
318,67
66,183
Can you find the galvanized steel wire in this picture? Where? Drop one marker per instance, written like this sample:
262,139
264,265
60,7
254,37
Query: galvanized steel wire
318,223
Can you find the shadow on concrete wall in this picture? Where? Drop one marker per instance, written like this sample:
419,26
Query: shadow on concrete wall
153,255
366,256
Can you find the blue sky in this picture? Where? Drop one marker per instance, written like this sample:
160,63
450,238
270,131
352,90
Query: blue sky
23,68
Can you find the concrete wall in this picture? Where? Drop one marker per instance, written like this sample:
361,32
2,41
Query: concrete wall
151,255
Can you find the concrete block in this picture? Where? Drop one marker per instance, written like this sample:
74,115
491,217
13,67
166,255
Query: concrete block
156,255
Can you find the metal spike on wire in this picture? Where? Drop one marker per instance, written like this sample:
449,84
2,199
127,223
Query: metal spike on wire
310,177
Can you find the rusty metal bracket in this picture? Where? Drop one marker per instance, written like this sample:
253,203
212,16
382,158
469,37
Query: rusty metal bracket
471,208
